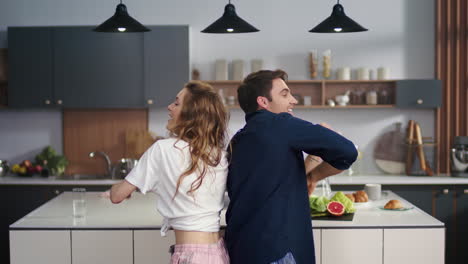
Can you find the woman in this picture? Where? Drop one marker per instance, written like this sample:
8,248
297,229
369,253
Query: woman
187,172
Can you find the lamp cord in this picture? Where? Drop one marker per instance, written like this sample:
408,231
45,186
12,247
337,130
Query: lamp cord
120,1
338,1
229,1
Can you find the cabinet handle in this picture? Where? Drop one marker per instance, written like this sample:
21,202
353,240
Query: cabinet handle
47,102
465,191
59,102
57,192
150,101
419,101
445,191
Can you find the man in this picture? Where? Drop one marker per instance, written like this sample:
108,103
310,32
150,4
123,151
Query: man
268,218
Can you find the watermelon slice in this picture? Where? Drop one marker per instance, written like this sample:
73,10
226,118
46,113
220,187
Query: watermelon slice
336,208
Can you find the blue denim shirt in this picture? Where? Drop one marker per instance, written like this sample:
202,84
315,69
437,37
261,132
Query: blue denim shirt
268,214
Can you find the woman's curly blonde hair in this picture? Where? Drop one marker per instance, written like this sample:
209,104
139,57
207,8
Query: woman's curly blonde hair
202,123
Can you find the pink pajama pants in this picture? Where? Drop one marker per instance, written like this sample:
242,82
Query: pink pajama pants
200,254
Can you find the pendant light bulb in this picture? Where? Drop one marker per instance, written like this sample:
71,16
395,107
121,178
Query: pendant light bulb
121,21
338,22
230,22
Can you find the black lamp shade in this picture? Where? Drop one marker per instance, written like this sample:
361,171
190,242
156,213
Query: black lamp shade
121,21
338,22
230,23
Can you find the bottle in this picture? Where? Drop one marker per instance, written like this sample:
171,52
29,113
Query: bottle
383,97
371,97
327,64
221,94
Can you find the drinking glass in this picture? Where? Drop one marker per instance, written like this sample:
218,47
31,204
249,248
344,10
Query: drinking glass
79,202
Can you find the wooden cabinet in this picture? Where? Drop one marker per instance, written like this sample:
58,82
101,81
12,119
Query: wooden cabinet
75,67
418,246
363,246
150,247
389,93
102,246
42,246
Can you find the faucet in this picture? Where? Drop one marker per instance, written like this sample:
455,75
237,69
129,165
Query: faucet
106,157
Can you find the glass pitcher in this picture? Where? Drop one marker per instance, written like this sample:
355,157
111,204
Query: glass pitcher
323,188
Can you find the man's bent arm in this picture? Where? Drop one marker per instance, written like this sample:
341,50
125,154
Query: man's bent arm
320,172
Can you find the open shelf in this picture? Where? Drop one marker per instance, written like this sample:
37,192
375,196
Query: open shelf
321,91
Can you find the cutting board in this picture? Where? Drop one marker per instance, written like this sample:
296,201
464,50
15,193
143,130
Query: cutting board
345,217
137,142
389,151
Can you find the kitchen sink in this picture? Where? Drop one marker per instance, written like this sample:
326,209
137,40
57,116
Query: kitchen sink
83,177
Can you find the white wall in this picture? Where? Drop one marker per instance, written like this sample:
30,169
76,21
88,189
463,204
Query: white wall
400,36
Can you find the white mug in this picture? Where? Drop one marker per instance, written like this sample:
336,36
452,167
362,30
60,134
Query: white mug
373,190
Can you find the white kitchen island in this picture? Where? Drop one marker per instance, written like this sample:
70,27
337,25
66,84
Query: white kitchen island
129,233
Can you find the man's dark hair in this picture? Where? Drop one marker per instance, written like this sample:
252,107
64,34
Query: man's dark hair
257,84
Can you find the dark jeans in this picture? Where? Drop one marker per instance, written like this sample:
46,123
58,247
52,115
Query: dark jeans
288,259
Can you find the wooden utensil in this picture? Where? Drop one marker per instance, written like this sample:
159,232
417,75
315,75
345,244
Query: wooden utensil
420,149
409,152
137,142
425,165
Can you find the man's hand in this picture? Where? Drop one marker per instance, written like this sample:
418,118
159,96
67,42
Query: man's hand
322,171
326,125
316,169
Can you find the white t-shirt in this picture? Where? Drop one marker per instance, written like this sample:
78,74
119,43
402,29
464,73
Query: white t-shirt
158,171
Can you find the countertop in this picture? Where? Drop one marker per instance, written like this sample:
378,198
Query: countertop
334,180
52,180
139,212
398,180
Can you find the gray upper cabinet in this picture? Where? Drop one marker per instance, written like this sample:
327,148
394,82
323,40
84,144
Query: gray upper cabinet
30,67
165,72
418,93
97,70
75,67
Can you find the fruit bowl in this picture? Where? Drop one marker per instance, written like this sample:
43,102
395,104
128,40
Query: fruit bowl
26,169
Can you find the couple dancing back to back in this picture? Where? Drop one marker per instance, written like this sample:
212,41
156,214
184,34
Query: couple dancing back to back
262,168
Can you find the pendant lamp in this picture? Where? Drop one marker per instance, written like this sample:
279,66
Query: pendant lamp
230,23
121,21
338,22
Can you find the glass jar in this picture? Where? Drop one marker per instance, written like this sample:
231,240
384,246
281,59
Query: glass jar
429,149
383,97
357,97
323,188
371,97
